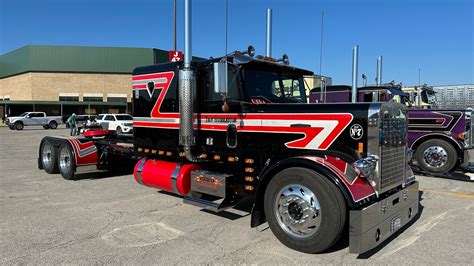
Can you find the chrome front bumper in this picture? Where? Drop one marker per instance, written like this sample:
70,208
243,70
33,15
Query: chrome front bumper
372,225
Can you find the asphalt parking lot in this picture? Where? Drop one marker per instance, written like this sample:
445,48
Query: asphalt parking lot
45,219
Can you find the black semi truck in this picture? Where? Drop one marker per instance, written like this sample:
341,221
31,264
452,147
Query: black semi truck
226,130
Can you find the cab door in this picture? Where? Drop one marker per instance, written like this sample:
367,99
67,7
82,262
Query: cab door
29,119
221,115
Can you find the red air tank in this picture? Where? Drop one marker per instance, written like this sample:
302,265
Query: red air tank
169,176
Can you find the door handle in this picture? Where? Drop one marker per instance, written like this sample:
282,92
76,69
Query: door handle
300,125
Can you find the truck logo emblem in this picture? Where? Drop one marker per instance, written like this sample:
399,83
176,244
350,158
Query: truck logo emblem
356,131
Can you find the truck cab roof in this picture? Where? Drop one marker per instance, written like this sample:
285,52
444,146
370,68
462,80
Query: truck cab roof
236,59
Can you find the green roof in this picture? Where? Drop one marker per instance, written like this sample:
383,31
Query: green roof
46,58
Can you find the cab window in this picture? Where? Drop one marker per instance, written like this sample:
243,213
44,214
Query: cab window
212,101
274,86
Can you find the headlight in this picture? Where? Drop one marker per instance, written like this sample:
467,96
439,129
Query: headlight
367,167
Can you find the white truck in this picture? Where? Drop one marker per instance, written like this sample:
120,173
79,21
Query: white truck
33,119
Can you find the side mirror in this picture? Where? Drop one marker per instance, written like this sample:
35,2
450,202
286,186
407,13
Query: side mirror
220,77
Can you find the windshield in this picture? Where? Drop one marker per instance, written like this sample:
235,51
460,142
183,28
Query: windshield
273,86
124,117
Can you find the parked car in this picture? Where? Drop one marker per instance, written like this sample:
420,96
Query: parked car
122,123
33,119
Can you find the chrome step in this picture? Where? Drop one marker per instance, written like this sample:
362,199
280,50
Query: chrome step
215,206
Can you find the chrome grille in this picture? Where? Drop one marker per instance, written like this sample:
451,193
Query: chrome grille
393,151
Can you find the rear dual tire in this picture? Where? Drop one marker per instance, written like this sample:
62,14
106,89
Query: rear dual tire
66,162
304,210
49,158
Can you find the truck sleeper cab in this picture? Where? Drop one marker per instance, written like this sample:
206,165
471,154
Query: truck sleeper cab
309,169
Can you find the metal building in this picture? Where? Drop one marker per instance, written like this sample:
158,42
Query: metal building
60,80
455,96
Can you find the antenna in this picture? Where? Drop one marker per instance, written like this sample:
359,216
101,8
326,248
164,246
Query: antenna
419,76
226,25
321,51
321,60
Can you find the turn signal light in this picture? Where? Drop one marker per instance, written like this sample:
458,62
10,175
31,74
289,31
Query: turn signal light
361,147
461,136
248,187
249,170
249,178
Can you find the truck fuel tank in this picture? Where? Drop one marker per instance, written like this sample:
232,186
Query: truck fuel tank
170,176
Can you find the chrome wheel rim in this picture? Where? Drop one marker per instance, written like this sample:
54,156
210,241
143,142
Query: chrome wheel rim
435,156
65,160
298,211
47,155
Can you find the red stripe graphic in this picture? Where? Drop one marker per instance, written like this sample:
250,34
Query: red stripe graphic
87,159
320,131
164,86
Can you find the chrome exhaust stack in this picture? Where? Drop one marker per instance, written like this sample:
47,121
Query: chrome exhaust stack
378,78
187,88
268,47
355,67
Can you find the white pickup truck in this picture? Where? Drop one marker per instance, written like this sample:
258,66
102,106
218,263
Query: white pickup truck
33,119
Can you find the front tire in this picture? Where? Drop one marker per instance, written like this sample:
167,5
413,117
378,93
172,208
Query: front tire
436,156
304,210
19,126
66,162
49,160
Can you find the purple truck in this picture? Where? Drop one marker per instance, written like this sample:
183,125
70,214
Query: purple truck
441,140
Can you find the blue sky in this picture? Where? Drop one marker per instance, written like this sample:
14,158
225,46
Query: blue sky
436,36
